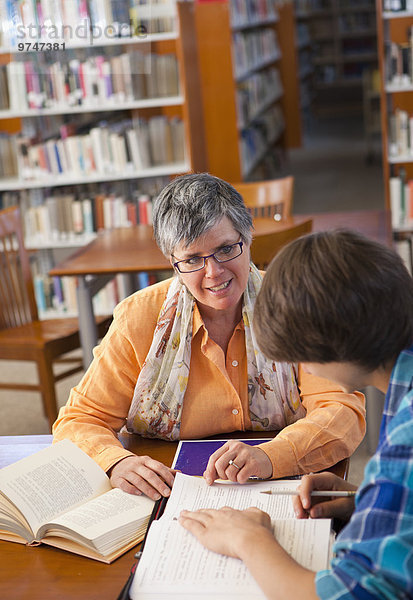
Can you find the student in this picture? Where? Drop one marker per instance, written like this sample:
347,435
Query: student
343,306
180,361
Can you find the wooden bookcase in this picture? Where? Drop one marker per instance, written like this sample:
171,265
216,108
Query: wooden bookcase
217,26
180,41
187,106
393,27
343,37
304,47
290,75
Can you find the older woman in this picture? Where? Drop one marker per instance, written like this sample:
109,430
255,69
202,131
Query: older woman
181,361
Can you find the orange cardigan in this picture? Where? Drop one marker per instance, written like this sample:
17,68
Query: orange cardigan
215,401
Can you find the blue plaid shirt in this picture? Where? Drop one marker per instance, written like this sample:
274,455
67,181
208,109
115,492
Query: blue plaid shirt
374,552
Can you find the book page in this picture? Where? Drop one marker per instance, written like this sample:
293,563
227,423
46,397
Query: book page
107,519
174,560
175,565
306,540
48,483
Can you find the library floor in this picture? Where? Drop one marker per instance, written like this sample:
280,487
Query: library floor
331,174
332,171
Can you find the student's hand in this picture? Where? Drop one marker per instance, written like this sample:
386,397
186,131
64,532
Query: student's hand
142,475
226,530
249,461
306,505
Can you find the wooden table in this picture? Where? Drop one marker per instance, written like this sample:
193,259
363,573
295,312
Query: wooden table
126,250
46,573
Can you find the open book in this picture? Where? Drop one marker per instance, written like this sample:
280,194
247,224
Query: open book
61,497
174,565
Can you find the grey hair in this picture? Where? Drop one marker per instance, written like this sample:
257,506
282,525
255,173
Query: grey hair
191,205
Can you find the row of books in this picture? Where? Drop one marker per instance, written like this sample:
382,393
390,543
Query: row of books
309,5
124,147
400,134
271,165
94,21
362,4
257,139
257,92
399,62
252,48
63,217
56,296
397,5
252,11
401,200
150,185
318,5
357,22
98,79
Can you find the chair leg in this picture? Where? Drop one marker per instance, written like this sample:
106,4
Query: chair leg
47,387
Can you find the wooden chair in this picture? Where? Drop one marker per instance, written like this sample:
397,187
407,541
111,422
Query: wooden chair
272,199
265,247
23,337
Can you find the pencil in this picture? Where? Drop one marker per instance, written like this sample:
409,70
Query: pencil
336,493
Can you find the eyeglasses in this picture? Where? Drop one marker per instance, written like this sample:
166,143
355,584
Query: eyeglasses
196,263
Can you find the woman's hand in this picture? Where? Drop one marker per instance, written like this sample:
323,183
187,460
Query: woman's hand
306,505
142,475
247,461
226,530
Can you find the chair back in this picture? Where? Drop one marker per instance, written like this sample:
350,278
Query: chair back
272,198
17,298
265,247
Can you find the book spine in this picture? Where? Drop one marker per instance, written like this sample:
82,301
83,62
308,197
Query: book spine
395,202
58,293
87,215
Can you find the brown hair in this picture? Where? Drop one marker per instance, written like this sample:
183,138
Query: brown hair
335,296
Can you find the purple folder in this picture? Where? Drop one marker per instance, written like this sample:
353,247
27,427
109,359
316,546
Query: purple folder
192,455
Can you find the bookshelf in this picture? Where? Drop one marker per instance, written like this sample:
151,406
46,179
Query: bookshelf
246,73
182,105
304,47
394,34
119,90
343,35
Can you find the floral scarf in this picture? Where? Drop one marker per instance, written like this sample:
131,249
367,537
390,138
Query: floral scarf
156,408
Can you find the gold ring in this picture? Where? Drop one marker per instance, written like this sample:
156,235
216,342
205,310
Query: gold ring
231,462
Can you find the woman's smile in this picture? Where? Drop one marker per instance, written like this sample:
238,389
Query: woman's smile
220,288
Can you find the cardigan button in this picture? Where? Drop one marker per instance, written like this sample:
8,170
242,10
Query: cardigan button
235,411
